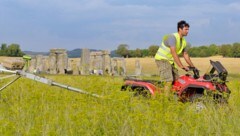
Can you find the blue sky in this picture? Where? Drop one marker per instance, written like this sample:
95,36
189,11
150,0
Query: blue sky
39,25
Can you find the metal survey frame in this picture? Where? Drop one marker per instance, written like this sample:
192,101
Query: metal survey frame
20,73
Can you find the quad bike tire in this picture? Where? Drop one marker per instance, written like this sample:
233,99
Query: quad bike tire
197,101
196,97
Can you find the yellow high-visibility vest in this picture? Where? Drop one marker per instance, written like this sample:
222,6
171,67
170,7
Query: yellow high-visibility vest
164,51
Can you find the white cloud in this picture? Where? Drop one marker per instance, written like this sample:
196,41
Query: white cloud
94,21
234,6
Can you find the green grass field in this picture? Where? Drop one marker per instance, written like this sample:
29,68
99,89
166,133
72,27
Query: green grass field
31,108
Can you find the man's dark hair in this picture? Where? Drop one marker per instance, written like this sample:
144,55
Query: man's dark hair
181,24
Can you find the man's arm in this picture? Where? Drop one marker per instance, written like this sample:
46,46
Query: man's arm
187,59
176,58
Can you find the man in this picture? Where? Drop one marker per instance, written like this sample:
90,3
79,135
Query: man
167,58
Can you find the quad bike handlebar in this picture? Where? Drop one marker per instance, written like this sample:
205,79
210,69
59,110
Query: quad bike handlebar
195,71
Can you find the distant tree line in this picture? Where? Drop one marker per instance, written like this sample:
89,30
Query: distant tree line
123,50
12,50
225,50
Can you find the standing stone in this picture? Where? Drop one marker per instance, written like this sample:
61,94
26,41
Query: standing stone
75,69
58,61
52,62
65,58
106,62
85,62
73,65
45,65
118,66
100,62
138,68
32,66
123,67
96,61
114,67
39,63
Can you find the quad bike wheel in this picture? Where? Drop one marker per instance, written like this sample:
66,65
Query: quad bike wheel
197,102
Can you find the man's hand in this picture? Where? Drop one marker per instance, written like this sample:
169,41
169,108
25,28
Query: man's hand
185,68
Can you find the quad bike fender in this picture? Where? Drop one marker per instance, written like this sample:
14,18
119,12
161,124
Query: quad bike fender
142,85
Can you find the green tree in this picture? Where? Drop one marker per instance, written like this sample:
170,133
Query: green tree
138,53
204,51
213,49
14,50
193,52
122,50
152,50
3,51
236,50
226,50
131,53
145,52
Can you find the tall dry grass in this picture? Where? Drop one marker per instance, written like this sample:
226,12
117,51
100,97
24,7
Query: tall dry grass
31,108
203,64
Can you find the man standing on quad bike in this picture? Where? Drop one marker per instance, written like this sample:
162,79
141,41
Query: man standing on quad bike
167,58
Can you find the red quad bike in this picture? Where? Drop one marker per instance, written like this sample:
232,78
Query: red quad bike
188,87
